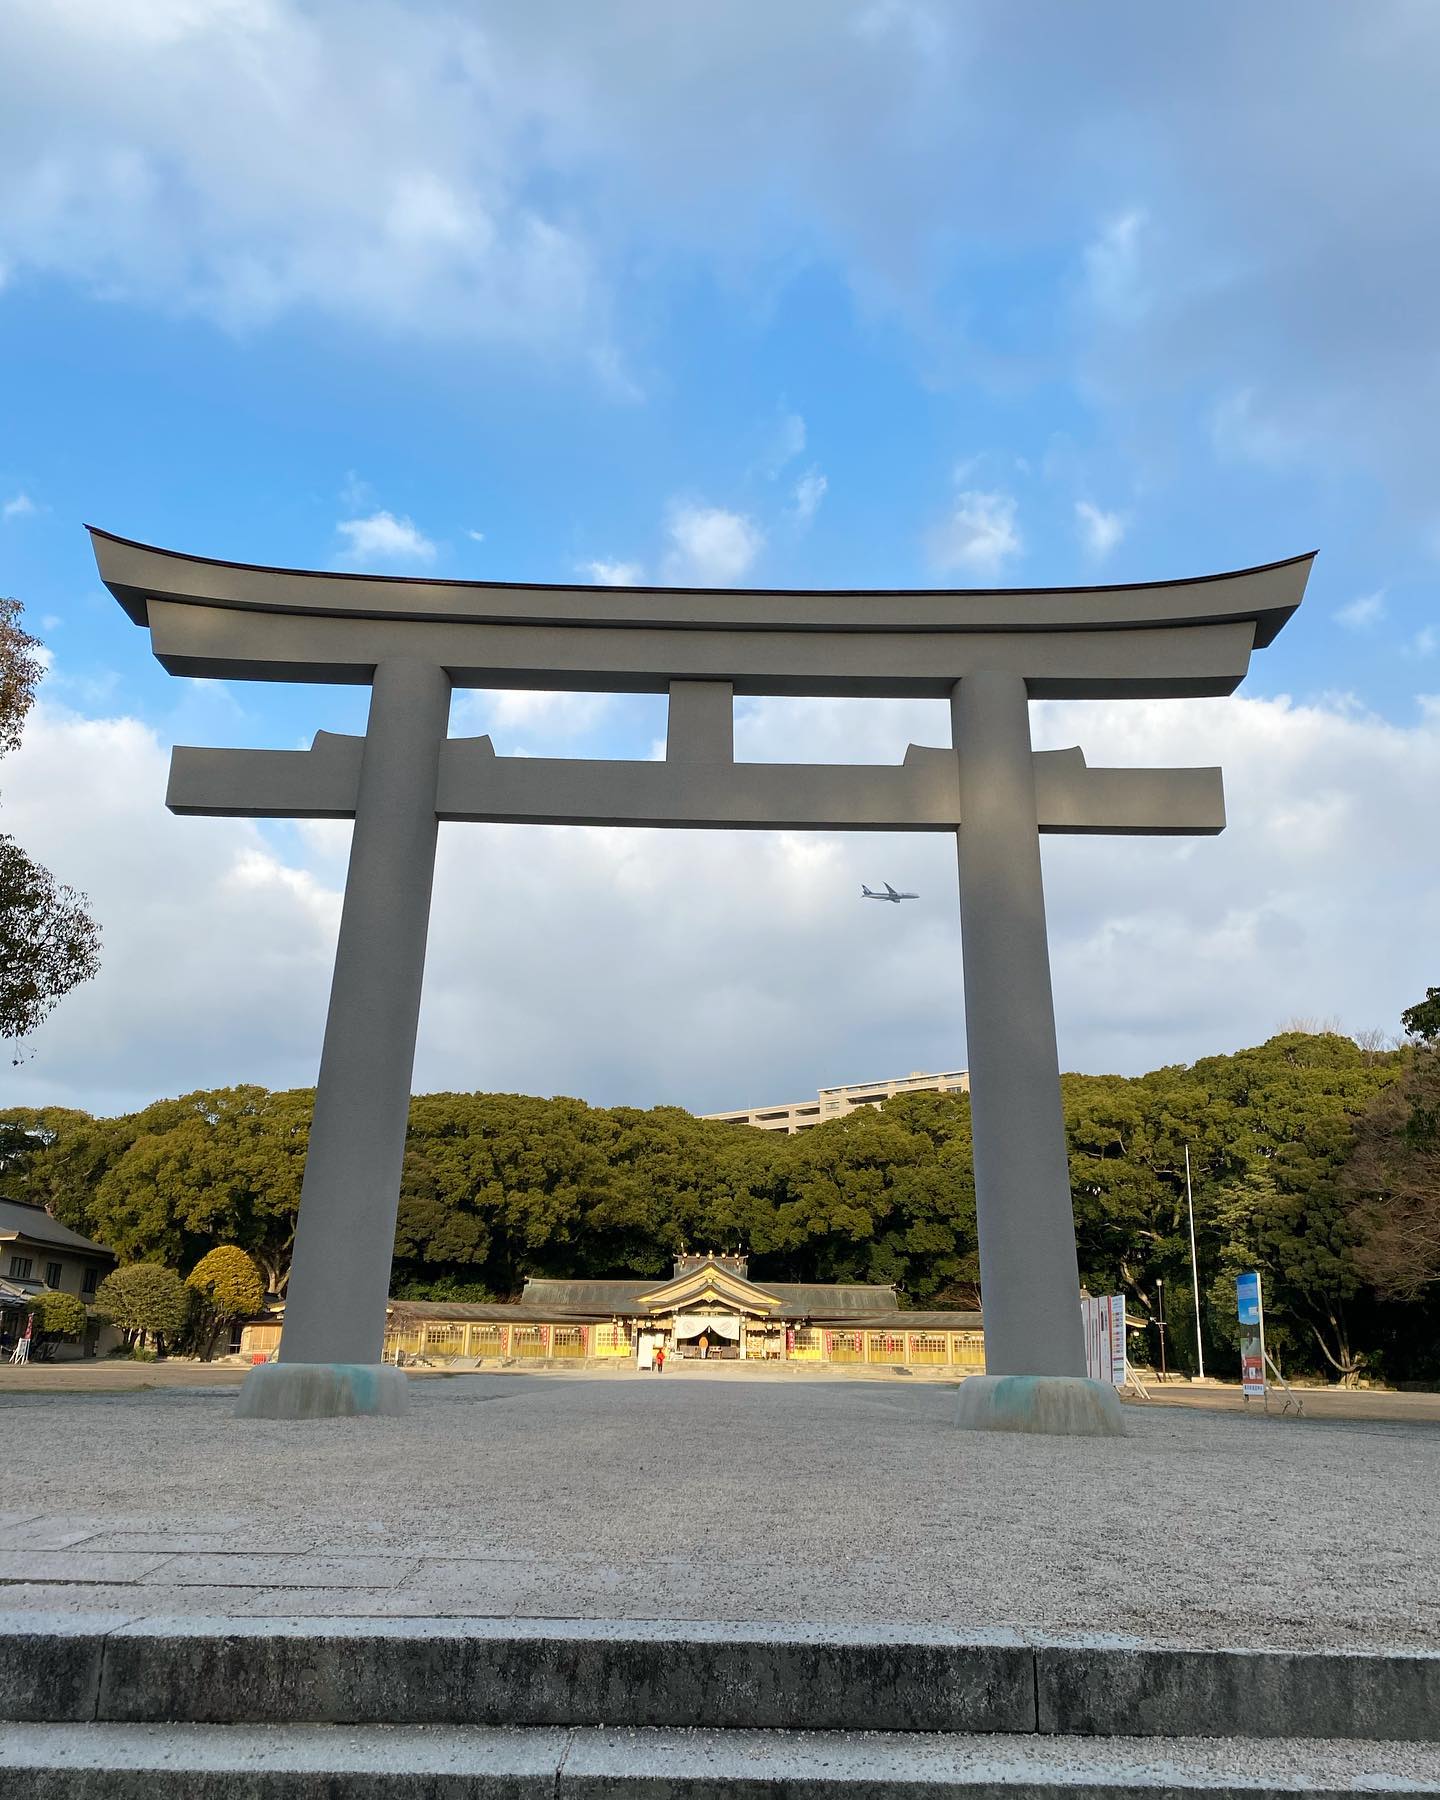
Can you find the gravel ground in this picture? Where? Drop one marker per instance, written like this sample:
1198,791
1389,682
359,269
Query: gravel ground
684,1496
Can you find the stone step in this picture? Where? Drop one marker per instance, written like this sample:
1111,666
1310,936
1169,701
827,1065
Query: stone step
679,1673
324,1762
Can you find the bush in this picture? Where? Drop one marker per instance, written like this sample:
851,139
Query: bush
147,1299
59,1315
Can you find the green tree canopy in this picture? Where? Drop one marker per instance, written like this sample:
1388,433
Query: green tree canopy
499,1187
1394,1175
1422,1020
48,941
60,1315
227,1286
228,1282
145,1298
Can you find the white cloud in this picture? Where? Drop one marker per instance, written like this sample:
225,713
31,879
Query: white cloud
809,492
19,506
1113,265
216,974
1100,531
613,574
383,538
243,159
786,443
715,978
1245,427
710,546
979,535
1425,642
526,721
477,536
1361,614
521,174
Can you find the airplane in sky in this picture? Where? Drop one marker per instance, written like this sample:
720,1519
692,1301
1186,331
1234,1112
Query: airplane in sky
889,894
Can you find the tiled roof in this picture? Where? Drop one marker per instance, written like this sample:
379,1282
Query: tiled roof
798,1300
484,1312
19,1218
906,1321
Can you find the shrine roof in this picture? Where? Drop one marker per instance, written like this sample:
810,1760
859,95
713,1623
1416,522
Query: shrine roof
487,1312
905,1321
798,1300
849,1306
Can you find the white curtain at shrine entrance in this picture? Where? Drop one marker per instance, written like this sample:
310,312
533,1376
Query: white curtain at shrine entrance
725,1325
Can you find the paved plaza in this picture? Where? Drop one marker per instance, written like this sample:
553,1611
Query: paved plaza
702,1495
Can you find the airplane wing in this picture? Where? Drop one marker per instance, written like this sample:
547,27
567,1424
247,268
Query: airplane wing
891,892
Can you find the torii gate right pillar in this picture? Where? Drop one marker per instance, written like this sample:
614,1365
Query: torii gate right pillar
1029,1278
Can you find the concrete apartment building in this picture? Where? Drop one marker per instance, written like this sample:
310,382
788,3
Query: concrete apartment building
835,1102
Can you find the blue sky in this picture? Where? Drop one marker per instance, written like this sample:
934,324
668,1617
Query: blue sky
869,292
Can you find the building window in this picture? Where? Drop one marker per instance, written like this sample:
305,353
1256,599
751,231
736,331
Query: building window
52,1275
20,1267
92,1281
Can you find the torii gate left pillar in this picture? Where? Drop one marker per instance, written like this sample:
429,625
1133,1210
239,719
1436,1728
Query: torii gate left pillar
989,653
335,1315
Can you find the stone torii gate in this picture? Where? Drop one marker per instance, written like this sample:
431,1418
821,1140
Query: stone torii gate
412,641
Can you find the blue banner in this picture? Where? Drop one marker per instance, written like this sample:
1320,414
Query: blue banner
1252,1333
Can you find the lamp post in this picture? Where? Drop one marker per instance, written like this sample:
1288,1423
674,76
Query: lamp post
1194,1266
1160,1319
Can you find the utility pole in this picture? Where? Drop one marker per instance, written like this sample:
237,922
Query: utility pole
1160,1315
1194,1266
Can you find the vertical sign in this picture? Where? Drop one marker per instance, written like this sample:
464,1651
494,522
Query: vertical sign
1104,1320
1117,1340
1251,1313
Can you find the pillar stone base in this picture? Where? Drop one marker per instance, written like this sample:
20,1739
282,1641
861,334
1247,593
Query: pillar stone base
322,1391
1057,1405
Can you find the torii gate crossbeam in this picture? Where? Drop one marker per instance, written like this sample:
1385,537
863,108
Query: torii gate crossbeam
989,652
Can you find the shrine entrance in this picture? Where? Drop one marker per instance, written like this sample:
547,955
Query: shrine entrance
988,652
710,1336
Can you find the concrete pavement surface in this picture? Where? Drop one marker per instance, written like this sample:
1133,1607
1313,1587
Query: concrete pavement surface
696,1495
160,1761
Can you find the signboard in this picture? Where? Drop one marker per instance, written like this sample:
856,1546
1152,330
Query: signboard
1250,1310
1104,1321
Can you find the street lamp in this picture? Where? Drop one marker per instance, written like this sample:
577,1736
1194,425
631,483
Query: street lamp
1160,1315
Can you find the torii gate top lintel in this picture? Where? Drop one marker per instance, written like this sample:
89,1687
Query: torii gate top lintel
242,621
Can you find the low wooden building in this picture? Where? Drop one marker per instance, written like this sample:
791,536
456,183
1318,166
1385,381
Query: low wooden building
709,1307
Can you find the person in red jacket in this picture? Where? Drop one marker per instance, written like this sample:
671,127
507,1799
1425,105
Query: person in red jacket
660,1360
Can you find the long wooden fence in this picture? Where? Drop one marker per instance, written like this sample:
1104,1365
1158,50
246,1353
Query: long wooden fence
450,1340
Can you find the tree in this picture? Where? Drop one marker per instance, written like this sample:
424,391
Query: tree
498,1187
1422,1020
1394,1176
1276,1192
59,1315
49,943
145,1300
169,1183
227,1287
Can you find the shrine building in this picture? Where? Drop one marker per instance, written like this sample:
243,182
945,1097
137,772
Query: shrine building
709,1307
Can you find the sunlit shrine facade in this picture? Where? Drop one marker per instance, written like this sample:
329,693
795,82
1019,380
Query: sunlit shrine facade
709,1308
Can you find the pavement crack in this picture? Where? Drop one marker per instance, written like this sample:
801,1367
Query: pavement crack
564,1758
